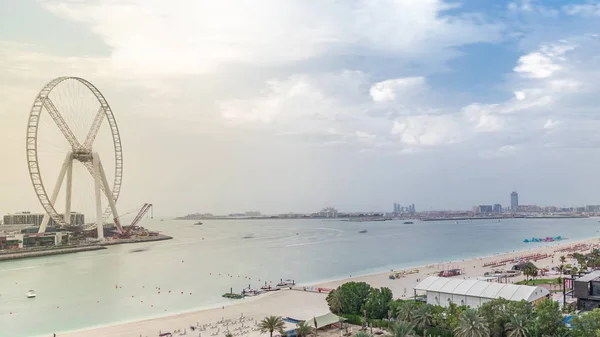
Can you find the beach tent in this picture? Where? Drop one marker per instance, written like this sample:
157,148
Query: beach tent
324,320
471,292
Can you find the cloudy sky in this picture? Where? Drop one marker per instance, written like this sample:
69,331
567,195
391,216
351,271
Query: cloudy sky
293,105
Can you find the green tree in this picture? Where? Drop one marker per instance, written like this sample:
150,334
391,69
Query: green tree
423,317
334,300
303,330
517,327
574,271
407,311
362,334
352,297
498,312
582,325
530,270
402,329
471,324
229,334
548,318
378,303
270,324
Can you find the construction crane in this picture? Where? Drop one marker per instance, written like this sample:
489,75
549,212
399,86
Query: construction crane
136,220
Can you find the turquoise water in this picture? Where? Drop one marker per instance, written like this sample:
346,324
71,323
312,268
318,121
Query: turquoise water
78,290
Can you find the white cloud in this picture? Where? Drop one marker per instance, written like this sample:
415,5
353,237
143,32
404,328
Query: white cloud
482,117
551,124
589,9
389,90
531,6
536,65
520,95
500,152
190,36
365,135
427,130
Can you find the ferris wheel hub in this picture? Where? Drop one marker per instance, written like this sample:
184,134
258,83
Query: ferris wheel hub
82,155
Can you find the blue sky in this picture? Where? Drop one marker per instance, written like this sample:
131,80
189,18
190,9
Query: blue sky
438,103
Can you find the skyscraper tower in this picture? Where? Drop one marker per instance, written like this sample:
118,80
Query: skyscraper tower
514,201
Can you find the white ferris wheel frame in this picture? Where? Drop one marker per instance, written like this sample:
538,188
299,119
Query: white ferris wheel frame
81,152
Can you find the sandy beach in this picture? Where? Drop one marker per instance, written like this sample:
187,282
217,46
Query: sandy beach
304,305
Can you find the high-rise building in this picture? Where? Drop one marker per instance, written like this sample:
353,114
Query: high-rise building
514,201
497,208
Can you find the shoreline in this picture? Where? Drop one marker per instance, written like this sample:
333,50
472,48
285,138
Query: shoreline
310,304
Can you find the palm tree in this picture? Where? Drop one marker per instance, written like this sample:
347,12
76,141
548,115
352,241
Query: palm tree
270,324
517,327
335,301
471,324
407,311
302,329
423,317
402,329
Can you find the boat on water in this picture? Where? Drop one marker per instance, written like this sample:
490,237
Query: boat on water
30,294
199,223
408,222
363,231
286,283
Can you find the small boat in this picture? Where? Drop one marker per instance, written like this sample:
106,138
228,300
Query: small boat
363,231
408,222
30,294
248,236
199,223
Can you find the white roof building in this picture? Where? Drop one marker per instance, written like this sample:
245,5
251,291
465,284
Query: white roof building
471,292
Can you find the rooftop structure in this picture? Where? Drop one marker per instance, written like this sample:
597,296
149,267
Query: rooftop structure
587,291
443,291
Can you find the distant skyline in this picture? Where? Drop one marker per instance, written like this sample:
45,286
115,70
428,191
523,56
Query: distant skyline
293,105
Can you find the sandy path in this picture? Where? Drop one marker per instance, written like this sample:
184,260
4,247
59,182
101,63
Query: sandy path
304,305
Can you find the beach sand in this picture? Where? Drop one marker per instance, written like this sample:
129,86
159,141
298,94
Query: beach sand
305,305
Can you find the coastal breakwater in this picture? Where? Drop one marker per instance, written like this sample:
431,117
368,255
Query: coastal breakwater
57,250
24,254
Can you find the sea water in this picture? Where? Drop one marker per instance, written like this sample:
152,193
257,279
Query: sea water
193,270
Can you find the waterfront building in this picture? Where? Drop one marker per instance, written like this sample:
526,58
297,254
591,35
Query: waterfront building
16,241
471,292
399,209
514,201
592,208
35,219
497,208
587,291
485,209
328,212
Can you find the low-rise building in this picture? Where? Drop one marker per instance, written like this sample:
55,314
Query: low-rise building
16,241
587,291
473,293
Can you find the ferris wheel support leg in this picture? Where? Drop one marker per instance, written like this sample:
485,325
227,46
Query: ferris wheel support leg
61,177
68,192
109,196
99,220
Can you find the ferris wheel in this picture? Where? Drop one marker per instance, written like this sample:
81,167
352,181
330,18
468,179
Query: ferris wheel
62,104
